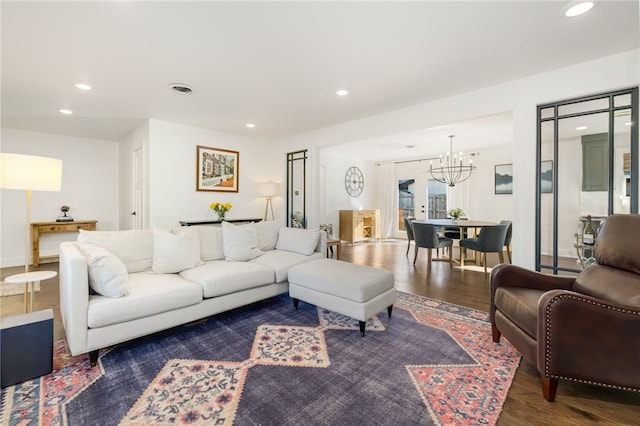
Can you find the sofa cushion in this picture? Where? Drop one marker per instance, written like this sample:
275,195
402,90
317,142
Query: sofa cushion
280,261
149,294
107,274
134,247
303,241
267,233
210,243
175,251
220,277
240,243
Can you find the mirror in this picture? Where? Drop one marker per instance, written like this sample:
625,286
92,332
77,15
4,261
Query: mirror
296,189
585,169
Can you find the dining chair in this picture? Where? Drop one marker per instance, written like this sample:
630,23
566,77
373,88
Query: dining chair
507,239
409,228
454,232
489,240
425,236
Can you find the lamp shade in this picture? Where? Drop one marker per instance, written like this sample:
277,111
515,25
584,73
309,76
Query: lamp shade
30,172
268,189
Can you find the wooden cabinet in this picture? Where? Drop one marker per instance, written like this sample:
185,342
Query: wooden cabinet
595,162
357,225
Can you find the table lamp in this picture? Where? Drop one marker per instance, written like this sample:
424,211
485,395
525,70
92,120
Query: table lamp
268,190
29,173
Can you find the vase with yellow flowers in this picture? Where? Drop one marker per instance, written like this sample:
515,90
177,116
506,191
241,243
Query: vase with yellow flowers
221,209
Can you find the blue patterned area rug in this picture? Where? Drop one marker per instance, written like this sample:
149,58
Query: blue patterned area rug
431,363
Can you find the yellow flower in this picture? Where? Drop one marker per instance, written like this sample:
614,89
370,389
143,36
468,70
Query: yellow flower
220,208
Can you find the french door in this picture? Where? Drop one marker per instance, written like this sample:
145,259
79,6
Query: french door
418,196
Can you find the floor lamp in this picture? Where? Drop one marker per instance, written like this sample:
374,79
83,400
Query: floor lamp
29,173
268,190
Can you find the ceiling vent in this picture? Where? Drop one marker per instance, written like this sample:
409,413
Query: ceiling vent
181,88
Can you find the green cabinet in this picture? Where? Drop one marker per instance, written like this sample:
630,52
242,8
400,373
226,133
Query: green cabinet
595,162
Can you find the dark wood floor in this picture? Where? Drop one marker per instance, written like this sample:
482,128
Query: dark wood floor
576,404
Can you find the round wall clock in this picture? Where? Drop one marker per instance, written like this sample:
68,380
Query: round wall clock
354,181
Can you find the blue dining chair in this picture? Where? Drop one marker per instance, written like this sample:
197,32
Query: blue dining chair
489,240
409,228
507,239
425,236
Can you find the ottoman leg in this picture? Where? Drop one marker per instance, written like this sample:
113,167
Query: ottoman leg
389,309
295,304
362,325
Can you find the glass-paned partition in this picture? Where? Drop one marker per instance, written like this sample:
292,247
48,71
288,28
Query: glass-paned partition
587,168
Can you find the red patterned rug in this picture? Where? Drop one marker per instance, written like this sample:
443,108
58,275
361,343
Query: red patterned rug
430,363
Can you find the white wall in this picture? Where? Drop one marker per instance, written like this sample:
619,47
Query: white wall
89,186
334,196
520,96
172,174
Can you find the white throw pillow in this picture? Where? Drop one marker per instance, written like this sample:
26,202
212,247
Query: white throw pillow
133,247
267,234
176,251
107,274
240,243
211,243
303,241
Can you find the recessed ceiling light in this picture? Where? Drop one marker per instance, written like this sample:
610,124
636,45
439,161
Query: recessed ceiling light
577,8
66,111
342,92
83,86
581,128
181,88
250,125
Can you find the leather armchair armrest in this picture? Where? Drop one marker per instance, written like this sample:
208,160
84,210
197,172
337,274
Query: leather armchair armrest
506,275
588,339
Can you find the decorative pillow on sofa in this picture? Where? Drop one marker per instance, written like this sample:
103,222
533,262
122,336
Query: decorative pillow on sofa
176,251
267,234
240,243
107,274
303,241
210,243
134,247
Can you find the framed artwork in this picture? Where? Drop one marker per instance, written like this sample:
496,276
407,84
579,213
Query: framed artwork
217,169
504,179
546,176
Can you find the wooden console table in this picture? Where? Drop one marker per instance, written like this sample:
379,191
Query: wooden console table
38,228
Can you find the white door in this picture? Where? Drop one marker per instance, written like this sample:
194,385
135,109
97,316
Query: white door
137,212
419,196
411,196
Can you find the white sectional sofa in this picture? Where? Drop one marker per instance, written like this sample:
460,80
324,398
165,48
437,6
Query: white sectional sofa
120,285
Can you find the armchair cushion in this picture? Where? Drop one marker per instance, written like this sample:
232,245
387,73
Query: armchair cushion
611,284
520,306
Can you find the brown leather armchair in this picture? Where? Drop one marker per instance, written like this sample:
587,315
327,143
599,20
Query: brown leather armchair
584,328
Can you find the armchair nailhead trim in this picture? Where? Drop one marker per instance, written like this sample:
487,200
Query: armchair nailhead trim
548,337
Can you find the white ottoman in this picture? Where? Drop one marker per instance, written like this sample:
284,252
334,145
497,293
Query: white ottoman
355,291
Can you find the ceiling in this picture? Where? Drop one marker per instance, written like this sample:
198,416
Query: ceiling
279,64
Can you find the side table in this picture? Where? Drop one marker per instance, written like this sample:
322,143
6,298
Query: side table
331,244
29,279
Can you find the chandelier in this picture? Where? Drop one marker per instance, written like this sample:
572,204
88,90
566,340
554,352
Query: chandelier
452,169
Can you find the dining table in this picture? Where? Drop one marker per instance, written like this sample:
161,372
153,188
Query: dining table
462,224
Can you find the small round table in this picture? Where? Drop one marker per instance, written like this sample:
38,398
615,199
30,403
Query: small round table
29,279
